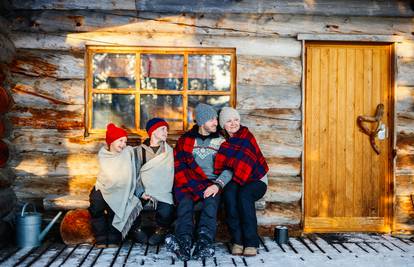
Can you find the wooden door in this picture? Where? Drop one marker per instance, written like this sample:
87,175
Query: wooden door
347,184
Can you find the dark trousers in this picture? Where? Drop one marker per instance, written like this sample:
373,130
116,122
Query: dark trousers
207,225
102,217
164,215
241,212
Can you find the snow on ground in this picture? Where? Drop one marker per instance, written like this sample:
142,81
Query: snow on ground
316,250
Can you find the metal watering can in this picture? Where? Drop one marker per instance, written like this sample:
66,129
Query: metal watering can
28,227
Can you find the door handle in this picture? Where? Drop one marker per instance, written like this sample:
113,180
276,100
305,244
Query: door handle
379,112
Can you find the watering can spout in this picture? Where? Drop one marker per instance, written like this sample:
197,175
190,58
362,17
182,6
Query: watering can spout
49,226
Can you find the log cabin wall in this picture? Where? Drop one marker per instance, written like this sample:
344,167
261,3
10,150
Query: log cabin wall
52,156
8,198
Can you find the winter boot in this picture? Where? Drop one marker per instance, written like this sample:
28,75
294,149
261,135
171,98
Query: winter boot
250,251
203,248
180,247
139,235
159,236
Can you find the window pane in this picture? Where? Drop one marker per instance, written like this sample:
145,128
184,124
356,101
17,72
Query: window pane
209,72
168,107
162,71
116,108
216,101
113,71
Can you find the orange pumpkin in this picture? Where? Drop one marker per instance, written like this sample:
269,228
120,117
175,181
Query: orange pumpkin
76,228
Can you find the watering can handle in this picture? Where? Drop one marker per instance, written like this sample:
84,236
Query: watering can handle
24,208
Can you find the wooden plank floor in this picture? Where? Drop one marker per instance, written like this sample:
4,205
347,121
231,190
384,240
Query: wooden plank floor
312,250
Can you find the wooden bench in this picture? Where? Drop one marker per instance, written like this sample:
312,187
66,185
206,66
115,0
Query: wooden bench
71,202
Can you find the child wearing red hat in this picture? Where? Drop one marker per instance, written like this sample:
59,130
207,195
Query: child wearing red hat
113,204
155,180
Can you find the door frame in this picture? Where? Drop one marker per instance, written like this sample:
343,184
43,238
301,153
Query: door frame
367,39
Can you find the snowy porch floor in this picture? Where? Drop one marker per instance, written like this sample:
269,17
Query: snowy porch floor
314,250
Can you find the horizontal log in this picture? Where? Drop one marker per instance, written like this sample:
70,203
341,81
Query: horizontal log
404,214
7,49
40,118
405,162
282,148
74,4
404,185
48,64
405,75
280,214
261,46
54,141
357,8
284,190
228,24
405,126
283,166
268,97
405,49
270,150
42,164
327,8
49,91
31,186
269,71
405,144
404,96
65,202
284,137
271,119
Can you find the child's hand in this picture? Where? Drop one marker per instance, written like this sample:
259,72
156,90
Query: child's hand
145,197
212,190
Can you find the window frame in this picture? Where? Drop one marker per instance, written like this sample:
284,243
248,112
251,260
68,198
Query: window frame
137,91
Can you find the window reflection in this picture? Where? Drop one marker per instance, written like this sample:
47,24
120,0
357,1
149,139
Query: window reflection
116,108
162,72
209,72
169,107
113,71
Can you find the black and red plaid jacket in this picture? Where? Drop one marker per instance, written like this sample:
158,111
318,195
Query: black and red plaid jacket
242,155
189,178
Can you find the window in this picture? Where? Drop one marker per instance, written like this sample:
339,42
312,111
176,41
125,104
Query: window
130,85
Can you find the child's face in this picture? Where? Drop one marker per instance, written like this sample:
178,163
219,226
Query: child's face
161,133
118,145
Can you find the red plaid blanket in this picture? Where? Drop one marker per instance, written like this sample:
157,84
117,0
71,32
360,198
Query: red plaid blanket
242,155
189,178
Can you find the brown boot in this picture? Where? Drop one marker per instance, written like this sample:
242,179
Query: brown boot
236,250
250,251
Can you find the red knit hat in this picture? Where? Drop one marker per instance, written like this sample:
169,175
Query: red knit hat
113,133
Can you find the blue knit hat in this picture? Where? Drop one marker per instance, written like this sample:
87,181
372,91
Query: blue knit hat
204,113
153,124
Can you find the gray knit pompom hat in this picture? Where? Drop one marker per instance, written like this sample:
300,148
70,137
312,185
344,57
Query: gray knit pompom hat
226,114
204,113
